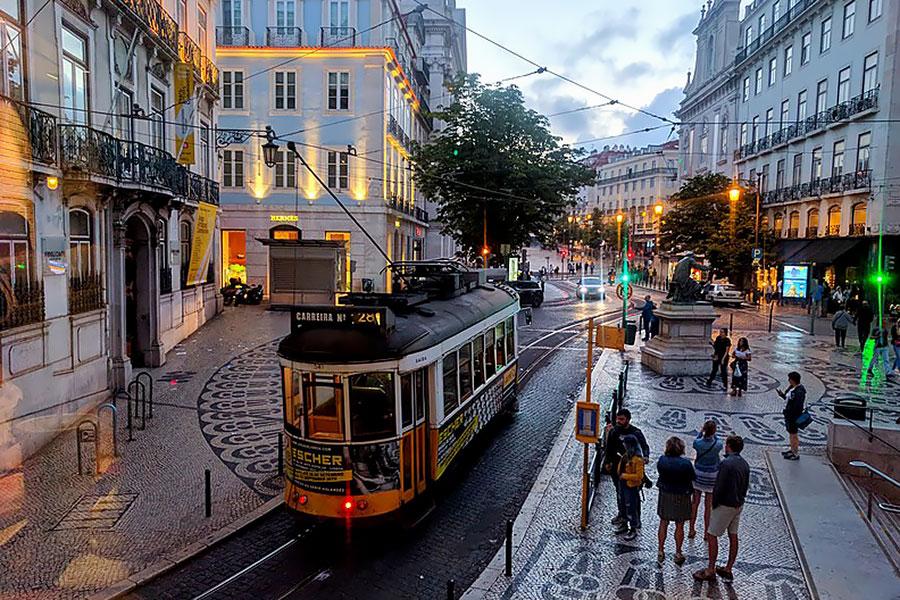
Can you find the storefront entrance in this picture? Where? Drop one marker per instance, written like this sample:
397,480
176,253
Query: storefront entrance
138,292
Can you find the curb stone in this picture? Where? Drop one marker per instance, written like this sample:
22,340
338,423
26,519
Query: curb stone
496,568
169,562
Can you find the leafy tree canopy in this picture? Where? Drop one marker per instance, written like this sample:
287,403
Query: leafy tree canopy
496,161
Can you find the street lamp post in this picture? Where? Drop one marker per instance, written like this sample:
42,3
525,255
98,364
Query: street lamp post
658,211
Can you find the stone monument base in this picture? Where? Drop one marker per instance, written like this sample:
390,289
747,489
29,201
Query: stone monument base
683,344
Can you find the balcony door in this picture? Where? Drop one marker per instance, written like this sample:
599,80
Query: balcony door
74,77
231,13
285,13
338,15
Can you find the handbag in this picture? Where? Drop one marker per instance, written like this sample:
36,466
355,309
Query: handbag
737,370
803,420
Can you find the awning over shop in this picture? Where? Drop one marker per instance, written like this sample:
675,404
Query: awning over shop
786,249
821,251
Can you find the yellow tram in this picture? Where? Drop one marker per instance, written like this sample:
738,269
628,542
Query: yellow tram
383,392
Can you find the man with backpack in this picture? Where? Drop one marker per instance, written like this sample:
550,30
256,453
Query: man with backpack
840,322
615,450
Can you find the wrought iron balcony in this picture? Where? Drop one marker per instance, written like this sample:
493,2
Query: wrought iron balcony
153,19
341,37
165,280
765,35
201,189
284,37
793,233
415,212
87,150
148,166
232,36
831,116
857,181
833,230
858,229
812,232
25,305
41,127
395,131
85,294
671,172
211,75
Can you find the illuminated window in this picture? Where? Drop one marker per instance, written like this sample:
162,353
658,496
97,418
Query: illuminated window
342,236
284,232
233,168
234,255
324,406
338,171
285,170
14,248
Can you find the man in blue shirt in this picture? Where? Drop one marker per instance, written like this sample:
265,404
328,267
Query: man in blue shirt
647,316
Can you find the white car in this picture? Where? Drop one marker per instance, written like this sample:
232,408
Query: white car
723,293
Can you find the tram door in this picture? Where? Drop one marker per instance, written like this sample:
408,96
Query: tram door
413,451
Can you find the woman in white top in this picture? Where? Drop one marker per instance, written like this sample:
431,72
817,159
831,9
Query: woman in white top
741,364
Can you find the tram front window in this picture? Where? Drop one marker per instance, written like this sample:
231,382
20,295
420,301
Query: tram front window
372,406
323,395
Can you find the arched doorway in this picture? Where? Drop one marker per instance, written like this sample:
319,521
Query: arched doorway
138,292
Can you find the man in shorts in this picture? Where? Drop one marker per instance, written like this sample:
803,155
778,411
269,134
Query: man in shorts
728,502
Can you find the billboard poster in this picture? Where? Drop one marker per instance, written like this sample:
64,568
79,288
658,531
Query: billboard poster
201,249
184,113
339,469
796,281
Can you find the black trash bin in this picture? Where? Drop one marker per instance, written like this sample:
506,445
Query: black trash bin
850,407
630,332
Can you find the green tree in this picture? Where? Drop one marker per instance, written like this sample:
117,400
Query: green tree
497,167
704,222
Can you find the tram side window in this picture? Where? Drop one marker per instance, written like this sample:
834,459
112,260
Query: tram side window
293,400
324,398
372,406
478,362
501,352
421,393
465,372
510,339
406,400
451,394
489,359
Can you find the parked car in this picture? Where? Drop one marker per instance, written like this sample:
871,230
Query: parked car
591,287
530,292
724,293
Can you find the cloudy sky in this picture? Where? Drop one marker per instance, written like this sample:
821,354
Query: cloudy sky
638,51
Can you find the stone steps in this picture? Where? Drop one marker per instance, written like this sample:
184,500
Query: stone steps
885,526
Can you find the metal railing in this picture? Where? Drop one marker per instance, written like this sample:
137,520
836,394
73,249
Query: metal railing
670,171
765,35
201,189
847,182
400,205
616,401
793,233
833,230
812,232
885,506
830,116
23,304
396,132
41,128
85,293
858,229
232,36
284,37
150,16
340,37
86,149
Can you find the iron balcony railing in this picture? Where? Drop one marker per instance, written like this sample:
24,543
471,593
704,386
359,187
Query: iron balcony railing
833,230
41,128
837,113
24,305
85,293
848,182
232,36
284,37
858,229
341,37
793,233
812,232
670,171
765,35
396,132
407,208
153,19
201,189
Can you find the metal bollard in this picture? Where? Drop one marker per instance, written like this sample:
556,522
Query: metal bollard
509,534
208,484
280,453
731,323
451,589
771,308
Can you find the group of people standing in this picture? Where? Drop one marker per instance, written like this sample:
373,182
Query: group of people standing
737,359
885,336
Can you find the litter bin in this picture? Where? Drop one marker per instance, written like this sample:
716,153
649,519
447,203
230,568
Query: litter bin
630,332
850,407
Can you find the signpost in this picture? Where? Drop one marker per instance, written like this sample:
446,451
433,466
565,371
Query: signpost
587,425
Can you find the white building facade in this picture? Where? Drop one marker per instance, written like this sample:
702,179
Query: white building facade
98,216
817,84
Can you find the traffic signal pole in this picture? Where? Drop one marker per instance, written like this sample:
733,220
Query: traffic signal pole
626,284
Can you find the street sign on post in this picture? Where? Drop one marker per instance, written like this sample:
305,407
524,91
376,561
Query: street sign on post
587,424
513,270
757,254
611,337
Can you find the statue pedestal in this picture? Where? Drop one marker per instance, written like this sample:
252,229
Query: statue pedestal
682,346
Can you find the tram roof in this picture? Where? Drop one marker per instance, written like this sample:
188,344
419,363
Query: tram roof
424,326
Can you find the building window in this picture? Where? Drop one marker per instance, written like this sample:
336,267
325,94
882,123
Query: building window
81,243
285,170
859,216
874,9
285,90
816,172
233,168
74,74
821,96
764,179
805,43
157,119
231,13
201,30
762,24
801,106
338,90
825,36
723,140
285,11
339,14
232,90
773,70
15,253
812,223
788,60
837,159
11,57
870,72
181,14
757,89
779,174
338,171
776,11
834,220
849,19
785,113
770,119
862,151
204,148
746,89
234,255
778,224
184,240
124,102
748,36
284,232
754,129
843,85
797,173
743,134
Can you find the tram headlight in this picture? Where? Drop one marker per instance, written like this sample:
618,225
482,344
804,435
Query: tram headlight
348,505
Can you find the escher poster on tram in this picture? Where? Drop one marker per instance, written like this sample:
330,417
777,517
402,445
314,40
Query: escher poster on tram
342,469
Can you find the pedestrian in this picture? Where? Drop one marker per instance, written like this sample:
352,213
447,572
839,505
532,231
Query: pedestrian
720,346
826,296
729,494
592,268
676,487
864,318
882,351
707,447
840,322
779,288
615,449
647,316
795,397
741,365
895,342
815,306
631,477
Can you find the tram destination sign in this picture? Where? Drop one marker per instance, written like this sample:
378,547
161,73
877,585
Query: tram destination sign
379,318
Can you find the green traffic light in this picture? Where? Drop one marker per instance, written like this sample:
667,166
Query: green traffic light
879,278
456,152
625,277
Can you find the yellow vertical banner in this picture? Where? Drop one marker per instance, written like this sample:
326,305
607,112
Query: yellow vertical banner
202,246
184,113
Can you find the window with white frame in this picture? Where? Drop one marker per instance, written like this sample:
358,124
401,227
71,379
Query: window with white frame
181,14
285,13
81,243
849,19
233,168
338,171
843,92
338,15
875,9
773,70
285,90
770,120
816,171
788,60
821,96
204,149
757,89
805,43
754,129
11,57
801,106
825,35
15,248
785,113
285,170
124,102
837,159
231,13
797,172
232,90
157,118
201,30
745,94
870,72
748,36
338,90
863,146
74,76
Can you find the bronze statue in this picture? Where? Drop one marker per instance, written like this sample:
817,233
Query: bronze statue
684,289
